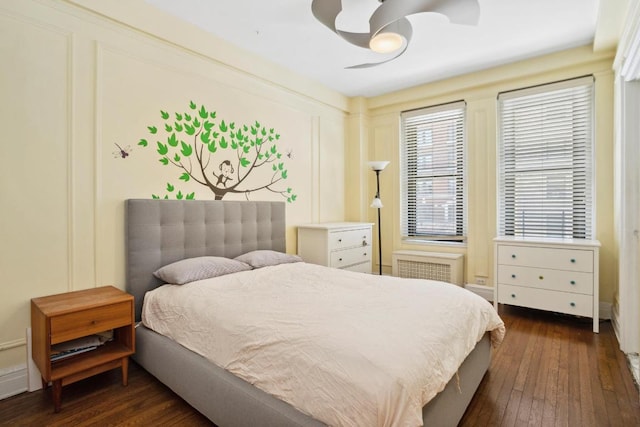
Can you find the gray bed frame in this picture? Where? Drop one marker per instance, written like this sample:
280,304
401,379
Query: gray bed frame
159,232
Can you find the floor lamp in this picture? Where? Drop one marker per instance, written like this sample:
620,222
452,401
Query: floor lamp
377,167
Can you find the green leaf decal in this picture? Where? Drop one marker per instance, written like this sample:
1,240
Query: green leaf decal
213,114
168,128
191,196
187,117
212,147
179,117
153,196
166,197
264,132
143,142
170,187
172,140
278,156
273,149
164,161
185,177
208,125
196,123
152,129
294,197
162,149
281,166
244,162
245,128
216,135
274,167
246,149
164,114
203,112
190,130
277,136
234,146
186,149
205,137
176,158
223,126
289,190
284,174
223,143
254,131
232,125
178,127
179,196
192,105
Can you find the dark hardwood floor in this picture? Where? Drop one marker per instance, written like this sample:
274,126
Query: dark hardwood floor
551,370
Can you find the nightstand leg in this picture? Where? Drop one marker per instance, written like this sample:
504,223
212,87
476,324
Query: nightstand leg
45,383
125,371
57,395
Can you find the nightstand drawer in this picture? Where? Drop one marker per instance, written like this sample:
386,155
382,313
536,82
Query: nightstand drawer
349,238
347,257
90,321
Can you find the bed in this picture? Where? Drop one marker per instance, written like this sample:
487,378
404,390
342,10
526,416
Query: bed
160,232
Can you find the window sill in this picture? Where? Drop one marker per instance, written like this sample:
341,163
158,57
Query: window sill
420,242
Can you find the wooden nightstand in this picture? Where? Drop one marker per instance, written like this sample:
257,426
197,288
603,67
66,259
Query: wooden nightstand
64,317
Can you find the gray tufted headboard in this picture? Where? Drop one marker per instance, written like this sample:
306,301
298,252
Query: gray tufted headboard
159,232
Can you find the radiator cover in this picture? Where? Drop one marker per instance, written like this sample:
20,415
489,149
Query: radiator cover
444,267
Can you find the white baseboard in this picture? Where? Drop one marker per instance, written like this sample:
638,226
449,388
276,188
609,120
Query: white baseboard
484,291
605,310
13,381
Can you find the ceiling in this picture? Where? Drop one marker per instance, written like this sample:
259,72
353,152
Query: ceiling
286,32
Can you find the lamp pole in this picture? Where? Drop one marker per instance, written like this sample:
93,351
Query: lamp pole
379,224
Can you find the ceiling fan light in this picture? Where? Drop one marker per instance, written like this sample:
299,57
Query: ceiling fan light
386,42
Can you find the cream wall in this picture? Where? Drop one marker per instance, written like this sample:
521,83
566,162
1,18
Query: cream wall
81,76
378,123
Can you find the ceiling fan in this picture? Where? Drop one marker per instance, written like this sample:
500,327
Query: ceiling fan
389,29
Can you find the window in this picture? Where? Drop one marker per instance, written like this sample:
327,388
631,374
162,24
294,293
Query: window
433,189
545,167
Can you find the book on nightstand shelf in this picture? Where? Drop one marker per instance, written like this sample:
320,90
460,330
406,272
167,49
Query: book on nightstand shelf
79,345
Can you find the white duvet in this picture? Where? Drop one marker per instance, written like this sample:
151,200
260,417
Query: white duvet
348,349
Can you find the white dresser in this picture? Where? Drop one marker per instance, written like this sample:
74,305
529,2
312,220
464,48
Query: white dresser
558,275
344,245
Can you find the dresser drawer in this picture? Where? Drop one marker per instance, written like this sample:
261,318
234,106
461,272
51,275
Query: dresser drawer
349,238
556,280
90,321
558,259
364,267
544,299
347,257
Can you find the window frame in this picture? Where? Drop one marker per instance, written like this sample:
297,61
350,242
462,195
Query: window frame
581,170
458,163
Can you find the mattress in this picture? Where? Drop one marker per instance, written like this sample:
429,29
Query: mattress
345,348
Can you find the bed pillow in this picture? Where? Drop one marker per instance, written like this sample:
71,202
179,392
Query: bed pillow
265,258
199,268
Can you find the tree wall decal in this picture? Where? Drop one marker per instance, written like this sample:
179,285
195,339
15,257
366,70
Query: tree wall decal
194,141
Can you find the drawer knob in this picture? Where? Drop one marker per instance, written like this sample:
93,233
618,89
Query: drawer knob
513,276
364,243
573,260
541,277
573,304
340,259
93,322
513,295
339,240
513,255
573,282
364,254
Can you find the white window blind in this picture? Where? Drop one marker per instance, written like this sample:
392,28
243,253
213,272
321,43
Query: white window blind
545,170
433,188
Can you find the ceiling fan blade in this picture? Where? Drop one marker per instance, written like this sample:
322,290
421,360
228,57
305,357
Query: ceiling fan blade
402,27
